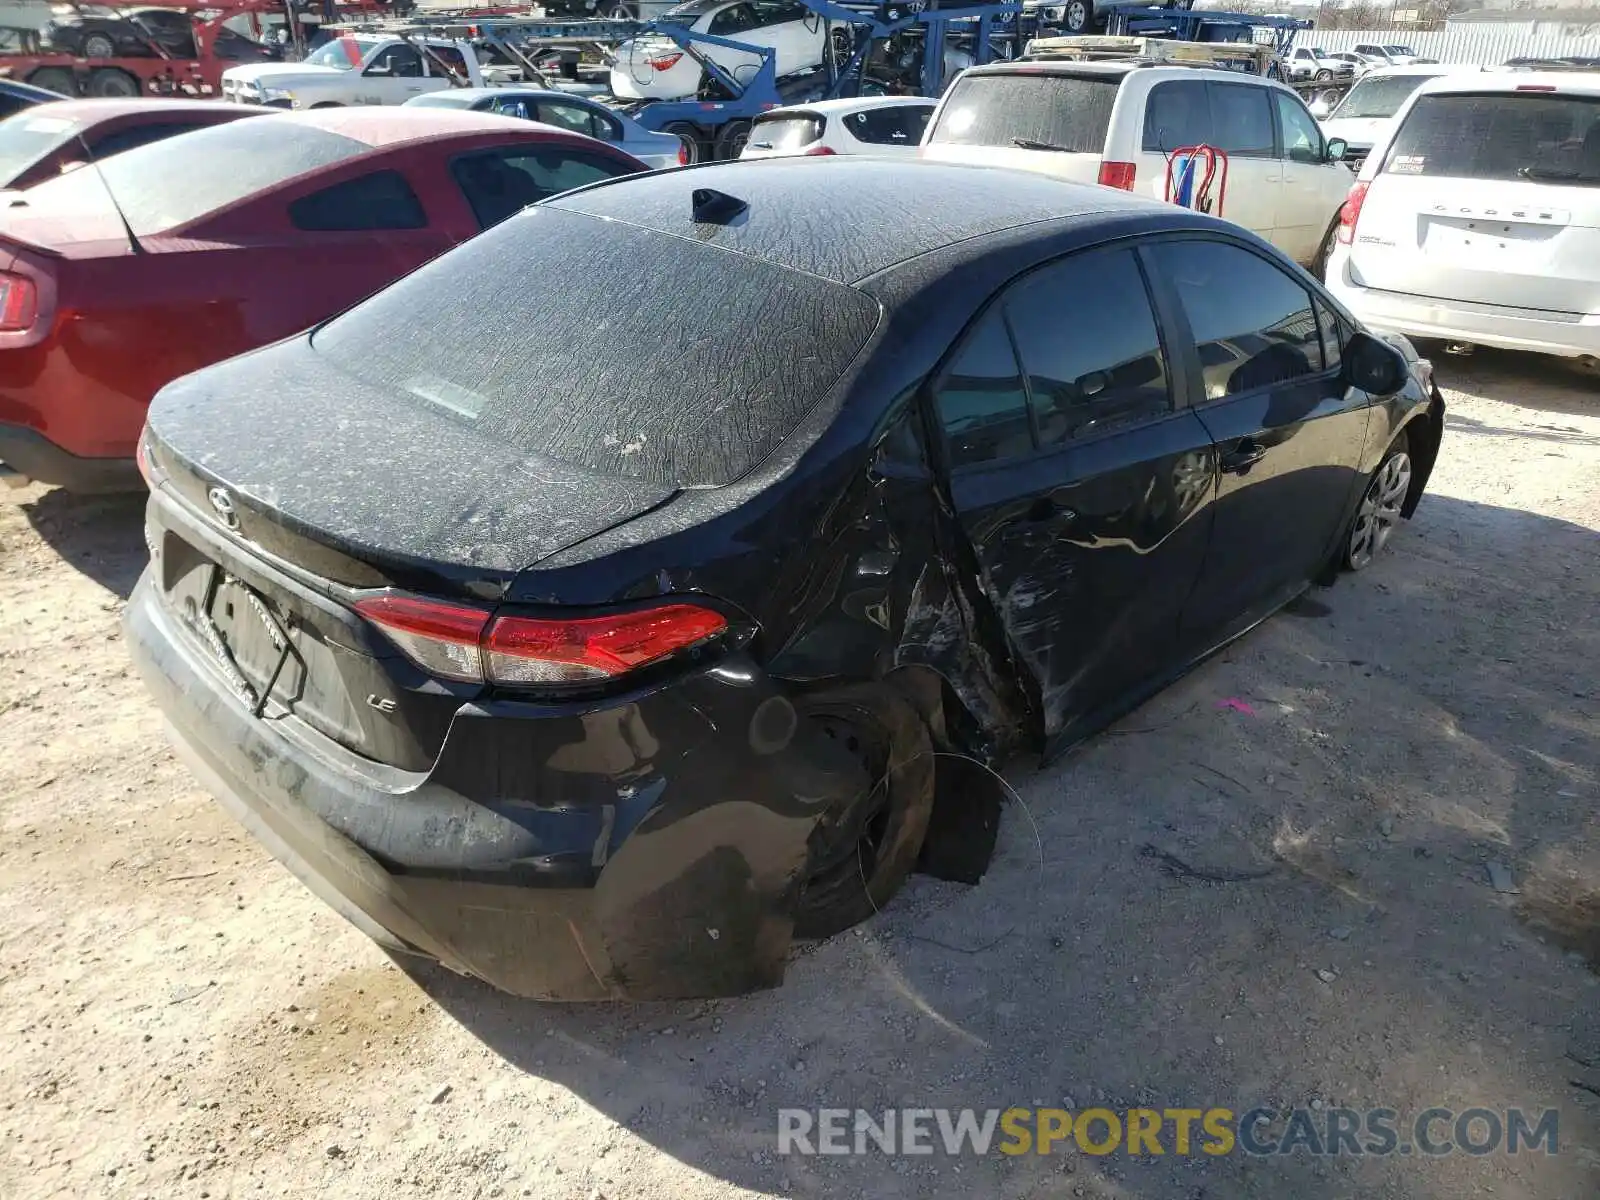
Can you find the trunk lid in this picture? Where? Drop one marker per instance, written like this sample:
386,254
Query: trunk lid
1488,198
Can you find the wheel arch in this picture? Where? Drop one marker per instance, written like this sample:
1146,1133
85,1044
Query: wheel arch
1424,434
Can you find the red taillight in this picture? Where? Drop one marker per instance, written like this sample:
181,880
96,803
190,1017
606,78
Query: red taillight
141,458
819,150
457,641
542,650
19,303
1350,211
666,62
683,153
1117,175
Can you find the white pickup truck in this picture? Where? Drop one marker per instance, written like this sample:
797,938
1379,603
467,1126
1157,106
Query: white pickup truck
362,69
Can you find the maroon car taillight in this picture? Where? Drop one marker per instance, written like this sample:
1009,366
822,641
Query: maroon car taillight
19,303
469,644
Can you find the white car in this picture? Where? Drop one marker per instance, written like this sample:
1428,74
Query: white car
1368,108
865,125
355,70
1391,56
1313,62
1476,219
654,67
1117,123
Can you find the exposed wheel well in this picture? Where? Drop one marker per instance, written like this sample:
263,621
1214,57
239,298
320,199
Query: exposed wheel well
1423,435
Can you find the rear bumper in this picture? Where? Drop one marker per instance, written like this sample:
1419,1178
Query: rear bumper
1459,321
32,456
648,850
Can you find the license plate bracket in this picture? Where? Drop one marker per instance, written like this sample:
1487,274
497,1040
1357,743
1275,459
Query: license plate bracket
280,635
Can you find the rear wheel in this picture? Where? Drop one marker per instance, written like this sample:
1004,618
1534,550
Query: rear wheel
731,139
54,79
1323,75
686,133
862,852
110,83
99,45
1380,508
1077,16
1319,265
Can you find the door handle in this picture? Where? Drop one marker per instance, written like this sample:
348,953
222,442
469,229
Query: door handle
1245,454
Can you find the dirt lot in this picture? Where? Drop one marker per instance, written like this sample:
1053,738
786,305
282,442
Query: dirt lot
182,1019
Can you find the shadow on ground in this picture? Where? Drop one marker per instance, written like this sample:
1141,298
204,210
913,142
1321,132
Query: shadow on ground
1402,731
101,536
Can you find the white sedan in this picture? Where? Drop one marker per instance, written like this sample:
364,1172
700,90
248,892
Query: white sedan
654,67
865,125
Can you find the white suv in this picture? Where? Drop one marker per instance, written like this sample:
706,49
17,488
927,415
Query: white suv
1117,123
1476,218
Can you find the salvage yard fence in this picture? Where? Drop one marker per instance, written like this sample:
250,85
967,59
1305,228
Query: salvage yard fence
1488,48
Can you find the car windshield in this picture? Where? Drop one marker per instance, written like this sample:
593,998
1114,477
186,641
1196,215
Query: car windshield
1379,95
28,137
344,54
1401,50
785,133
1043,111
1501,135
174,181
622,376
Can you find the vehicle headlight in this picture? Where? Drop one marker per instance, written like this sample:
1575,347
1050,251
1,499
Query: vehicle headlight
271,95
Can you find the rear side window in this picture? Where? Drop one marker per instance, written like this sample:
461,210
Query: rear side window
1062,112
381,200
1253,324
1177,114
1099,369
1241,116
142,135
1501,135
901,125
499,183
786,133
169,183
623,377
578,119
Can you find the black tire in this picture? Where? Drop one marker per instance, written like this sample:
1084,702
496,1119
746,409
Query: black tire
110,83
1380,510
860,855
55,79
689,134
1077,16
1319,265
731,139
99,45
1323,75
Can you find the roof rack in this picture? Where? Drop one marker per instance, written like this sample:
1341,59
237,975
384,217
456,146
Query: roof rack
1251,57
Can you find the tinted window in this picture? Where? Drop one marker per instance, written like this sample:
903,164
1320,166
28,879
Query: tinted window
1534,136
717,386
1063,111
1252,322
499,183
576,118
140,135
1334,335
442,57
403,61
382,200
1241,116
1087,339
981,400
174,181
1302,140
901,125
785,133
733,20
1177,114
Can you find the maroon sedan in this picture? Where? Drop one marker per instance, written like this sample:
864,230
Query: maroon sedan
44,141
118,278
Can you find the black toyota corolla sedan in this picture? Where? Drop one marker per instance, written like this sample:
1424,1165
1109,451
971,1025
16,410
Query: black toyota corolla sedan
589,609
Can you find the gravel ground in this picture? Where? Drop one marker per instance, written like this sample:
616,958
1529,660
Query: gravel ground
183,1020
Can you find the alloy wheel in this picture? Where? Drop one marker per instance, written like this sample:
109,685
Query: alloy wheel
1076,16
1380,510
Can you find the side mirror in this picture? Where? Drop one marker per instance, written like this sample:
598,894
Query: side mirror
1374,366
1336,149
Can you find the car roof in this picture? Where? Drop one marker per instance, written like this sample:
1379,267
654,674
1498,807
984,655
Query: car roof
395,125
1056,66
1572,83
89,111
478,93
1422,69
828,108
880,212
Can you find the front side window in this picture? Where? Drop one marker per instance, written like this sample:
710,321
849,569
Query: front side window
1103,367
1242,117
397,61
1536,136
1253,324
1302,140
1177,114
381,200
981,401
733,20
498,183
577,119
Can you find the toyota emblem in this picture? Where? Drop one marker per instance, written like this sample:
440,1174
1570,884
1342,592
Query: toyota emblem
223,503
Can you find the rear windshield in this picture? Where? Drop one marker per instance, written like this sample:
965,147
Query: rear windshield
1059,112
785,133
1498,135
28,137
171,182
571,338
1380,96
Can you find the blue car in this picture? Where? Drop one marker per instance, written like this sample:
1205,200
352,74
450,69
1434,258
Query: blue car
573,114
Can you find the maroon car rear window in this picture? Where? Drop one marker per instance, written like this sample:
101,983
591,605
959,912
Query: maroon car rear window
173,182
